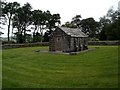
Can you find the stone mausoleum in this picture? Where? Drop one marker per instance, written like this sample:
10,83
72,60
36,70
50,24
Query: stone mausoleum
68,40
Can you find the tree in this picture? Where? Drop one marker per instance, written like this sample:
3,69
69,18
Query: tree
39,19
52,20
46,35
103,24
36,21
8,11
112,14
2,19
110,26
35,18
113,30
69,25
76,21
51,23
21,17
21,21
89,26
42,20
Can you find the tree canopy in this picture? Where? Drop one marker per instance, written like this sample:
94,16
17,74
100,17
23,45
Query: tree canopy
29,25
107,28
21,18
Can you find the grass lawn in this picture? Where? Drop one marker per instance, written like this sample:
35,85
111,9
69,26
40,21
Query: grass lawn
24,68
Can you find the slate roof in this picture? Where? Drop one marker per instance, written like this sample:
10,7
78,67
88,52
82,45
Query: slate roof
73,32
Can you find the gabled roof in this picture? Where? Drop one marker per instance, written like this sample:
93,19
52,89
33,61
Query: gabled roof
73,32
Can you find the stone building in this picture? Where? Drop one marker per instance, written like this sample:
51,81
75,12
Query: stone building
67,40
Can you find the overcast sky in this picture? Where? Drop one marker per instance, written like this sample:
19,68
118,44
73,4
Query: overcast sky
69,8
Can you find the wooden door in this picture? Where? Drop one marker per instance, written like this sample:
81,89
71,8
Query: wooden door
58,44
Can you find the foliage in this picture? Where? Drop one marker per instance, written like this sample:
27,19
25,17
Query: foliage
76,21
8,11
69,25
46,35
22,17
43,20
106,29
89,26
21,21
110,25
39,20
25,68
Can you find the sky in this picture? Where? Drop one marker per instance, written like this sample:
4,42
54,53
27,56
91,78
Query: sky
69,8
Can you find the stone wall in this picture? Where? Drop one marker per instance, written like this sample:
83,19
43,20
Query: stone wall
104,43
7,46
59,41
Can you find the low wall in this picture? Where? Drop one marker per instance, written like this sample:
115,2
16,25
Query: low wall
7,46
104,43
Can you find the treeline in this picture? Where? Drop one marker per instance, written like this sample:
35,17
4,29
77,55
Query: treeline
22,20
107,28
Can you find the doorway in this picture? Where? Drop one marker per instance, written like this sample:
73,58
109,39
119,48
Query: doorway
58,43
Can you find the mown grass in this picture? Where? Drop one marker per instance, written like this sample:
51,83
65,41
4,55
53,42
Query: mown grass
25,68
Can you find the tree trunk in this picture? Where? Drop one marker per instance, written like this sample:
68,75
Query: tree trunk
24,35
9,29
34,34
41,34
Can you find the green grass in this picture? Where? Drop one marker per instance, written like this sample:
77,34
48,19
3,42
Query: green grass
24,68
